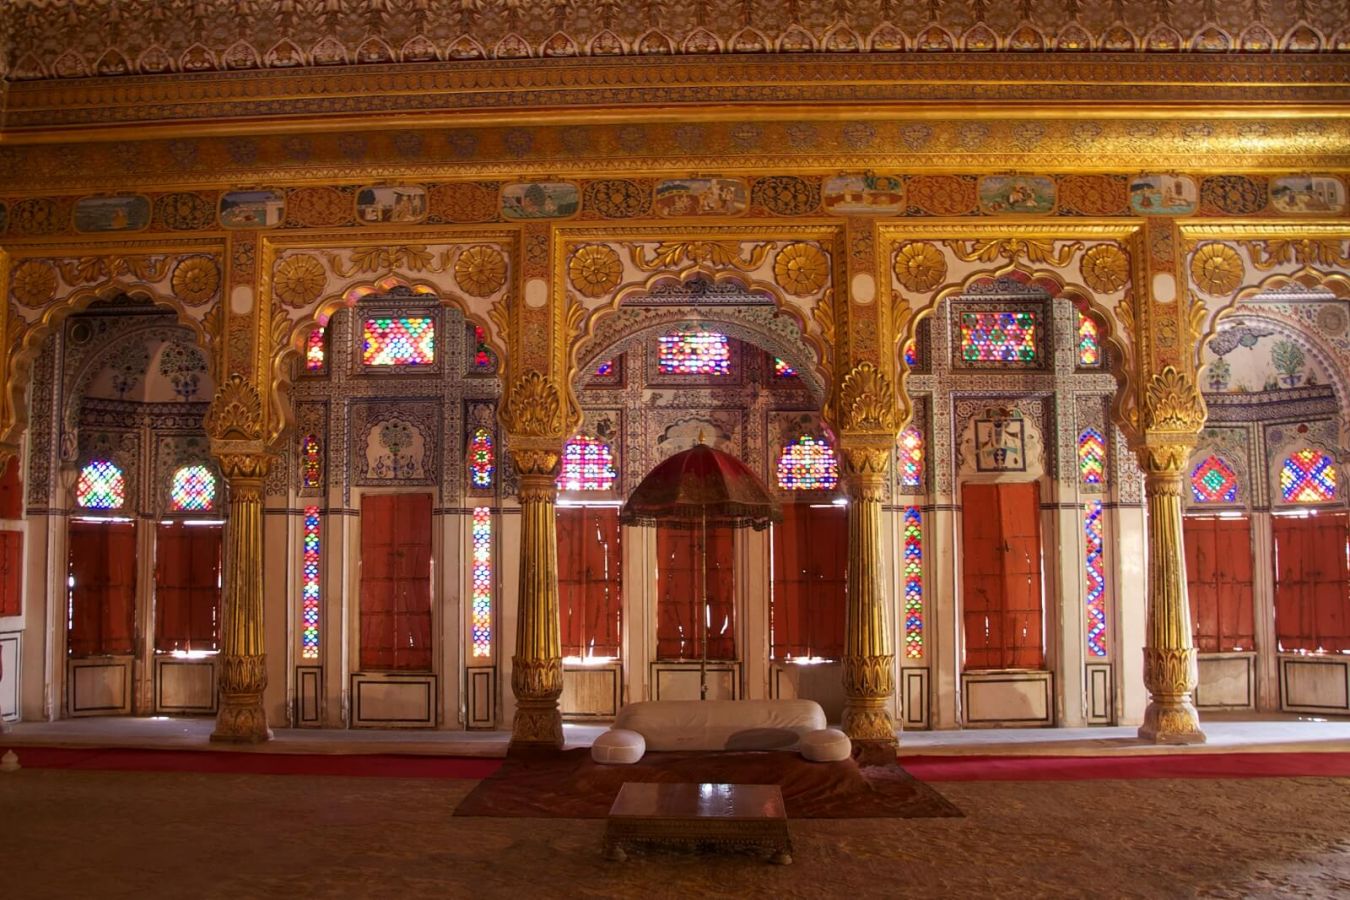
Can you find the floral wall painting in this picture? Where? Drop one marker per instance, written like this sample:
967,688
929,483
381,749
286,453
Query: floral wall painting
1163,195
1248,358
1007,194
1307,194
395,451
700,197
1000,443
864,194
540,200
101,214
391,204
252,209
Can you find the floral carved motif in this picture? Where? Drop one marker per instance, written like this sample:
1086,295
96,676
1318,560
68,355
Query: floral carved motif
408,257
1267,255
867,401
196,280
1172,403
801,268
98,269
919,266
236,411
1217,269
33,283
1033,250
480,270
595,270
1105,268
534,407
669,255
299,280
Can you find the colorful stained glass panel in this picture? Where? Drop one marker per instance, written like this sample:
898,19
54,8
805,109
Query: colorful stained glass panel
781,369
605,368
587,465
1308,476
101,486
998,337
808,464
314,350
309,588
910,452
399,341
482,459
1213,481
193,489
913,583
483,357
1095,570
312,461
911,355
695,353
481,626
1089,342
1091,457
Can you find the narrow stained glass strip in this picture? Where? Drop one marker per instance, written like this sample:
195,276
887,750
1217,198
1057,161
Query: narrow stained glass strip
313,461
481,626
911,457
1091,457
482,459
1089,342
314,350
309,589
913,583
1095,570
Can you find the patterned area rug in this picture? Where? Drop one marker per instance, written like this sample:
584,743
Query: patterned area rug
569,785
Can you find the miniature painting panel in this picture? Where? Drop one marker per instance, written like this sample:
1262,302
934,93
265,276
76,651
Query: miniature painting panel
1307,194
864,194
98,214
1000,446
540,200
1163,195
252,209
701,197
1008,194
397,204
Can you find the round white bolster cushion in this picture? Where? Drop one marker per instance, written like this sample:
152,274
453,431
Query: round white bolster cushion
826,745
619,747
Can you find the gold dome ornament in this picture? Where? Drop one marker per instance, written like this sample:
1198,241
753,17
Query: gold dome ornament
801,269
919,266
299,280
480,270
1217,269
33,283
595,270
1105,268
196,279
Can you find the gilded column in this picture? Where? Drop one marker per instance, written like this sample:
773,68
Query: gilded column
536,668
1173,414
869,678
235,426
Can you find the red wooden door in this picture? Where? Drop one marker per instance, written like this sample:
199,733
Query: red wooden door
396,582
1219,582
679,600
810,567
590,581
11,573
1001,576
11,492
102,589
187,587
1312,590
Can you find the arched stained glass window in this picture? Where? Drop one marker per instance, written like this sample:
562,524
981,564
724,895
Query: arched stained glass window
484,360
695,353
587,465
1213,481
911,355
808,464
1308,476
482,458
311,461
1091,457
101,486
193,489
910,452
1089,342
314,350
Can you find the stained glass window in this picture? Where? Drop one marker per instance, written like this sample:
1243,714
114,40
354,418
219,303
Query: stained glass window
193,489
1091,456
911,355
1213,481
312,461
1308,476
695,353
781,369
314,350
399,341
481,627
808,464
1095,569
913,583
1089,341
998,336
910,453
482,459
309,589
587,465
101,486
605,368
483,357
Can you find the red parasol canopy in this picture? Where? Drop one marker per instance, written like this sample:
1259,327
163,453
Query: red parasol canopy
701,486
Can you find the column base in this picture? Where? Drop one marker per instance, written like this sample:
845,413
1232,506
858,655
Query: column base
537,726
868,724
1171,722
876,753
241,720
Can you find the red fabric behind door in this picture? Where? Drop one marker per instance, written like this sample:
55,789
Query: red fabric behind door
11,492
396,582
1001,576
1312,590
1219,582
590,581
187,587
679,600
11,573
103,596
810,565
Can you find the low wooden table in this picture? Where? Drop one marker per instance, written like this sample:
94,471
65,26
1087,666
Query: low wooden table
730,816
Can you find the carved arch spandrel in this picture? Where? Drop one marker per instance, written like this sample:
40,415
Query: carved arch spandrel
307,279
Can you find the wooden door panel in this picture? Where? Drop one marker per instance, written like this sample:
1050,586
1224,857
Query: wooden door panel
1001,575
103,596
395,602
